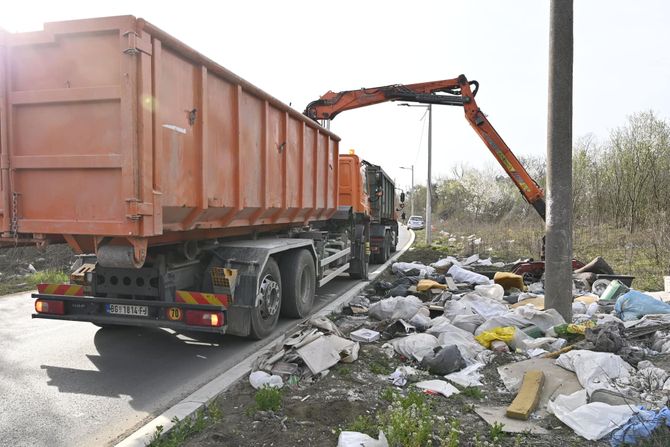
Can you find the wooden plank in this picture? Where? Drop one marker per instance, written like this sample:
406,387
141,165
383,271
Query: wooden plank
528,397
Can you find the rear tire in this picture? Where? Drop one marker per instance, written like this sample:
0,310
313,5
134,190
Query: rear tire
298,277
265,315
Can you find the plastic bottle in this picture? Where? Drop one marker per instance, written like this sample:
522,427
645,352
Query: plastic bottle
493,291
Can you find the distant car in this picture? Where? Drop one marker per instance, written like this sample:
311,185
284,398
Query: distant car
416,223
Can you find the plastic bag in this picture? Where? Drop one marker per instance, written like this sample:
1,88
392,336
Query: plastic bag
356,439
405,268
505,334
634,305
640,426
465,341
595,420
493,291
395,308
454,308
509,319
260,379
462,275
414,346
468,323
470,376
438,386
486,307
595,370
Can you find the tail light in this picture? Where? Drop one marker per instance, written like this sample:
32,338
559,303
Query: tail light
204,318
50,307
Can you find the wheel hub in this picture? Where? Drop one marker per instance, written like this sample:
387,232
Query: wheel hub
270,297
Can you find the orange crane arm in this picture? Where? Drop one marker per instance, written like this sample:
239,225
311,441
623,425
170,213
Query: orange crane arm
454,92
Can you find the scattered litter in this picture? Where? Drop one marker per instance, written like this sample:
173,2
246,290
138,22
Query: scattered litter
437,387
412,269
356,439
286,368
640,426
595,370
462,275
509,280
504,334
400,375
325,324
633,305
396,308
415,346
365,335
492,291
528,398
486,307
591,421
443,360
327,351
467,377
261,379
496,415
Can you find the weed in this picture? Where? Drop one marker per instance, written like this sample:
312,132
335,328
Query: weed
389,394
364,424
473,392
453,437
496,431
343,371
183,429
408,421
268,398
47,277
380,367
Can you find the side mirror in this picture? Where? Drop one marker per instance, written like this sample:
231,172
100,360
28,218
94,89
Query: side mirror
402,197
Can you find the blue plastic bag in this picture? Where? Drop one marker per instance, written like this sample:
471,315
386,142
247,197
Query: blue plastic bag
640,426
633,305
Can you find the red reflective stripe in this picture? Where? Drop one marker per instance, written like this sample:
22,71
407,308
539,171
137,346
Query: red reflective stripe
215,299
61,289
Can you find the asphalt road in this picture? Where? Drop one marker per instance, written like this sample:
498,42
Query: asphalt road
74,384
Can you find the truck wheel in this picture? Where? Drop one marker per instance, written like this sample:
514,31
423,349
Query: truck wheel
298,277
265,315
386,248
360,264
394,241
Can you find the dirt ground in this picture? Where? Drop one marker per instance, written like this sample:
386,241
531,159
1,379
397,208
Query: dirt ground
314,413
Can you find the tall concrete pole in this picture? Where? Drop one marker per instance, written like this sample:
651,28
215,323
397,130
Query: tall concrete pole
429,187
558,266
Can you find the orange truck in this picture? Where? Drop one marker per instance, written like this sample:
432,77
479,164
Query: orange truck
196,200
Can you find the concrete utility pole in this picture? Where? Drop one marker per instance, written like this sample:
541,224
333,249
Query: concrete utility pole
429,187
411,197
558,265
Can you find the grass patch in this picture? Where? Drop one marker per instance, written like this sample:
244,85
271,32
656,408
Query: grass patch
496,432
389,394
379,366
47,277
473,391
343,371
408,421
364,424
186,428
268,398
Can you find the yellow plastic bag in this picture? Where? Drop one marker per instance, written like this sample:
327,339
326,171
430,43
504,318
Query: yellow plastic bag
505,334
427,284
581,328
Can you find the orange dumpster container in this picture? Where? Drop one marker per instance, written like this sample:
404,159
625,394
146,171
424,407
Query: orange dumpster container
111,129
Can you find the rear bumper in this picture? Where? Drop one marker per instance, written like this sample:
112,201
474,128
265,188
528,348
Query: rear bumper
93,310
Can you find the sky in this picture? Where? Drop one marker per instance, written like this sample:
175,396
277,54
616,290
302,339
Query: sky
297,50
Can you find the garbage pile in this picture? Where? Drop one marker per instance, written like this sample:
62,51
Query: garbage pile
596,374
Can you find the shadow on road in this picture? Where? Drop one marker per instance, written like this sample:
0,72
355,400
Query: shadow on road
139,362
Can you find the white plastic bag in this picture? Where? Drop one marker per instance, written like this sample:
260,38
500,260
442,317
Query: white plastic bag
438,386
493,291
486,307
356,439
462,275
595,370
260,379
396,308
469,376
591,421
404,267
414,346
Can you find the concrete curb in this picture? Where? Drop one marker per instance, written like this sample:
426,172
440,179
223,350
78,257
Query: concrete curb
225,380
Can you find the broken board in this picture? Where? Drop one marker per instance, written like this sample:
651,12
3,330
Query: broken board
528,397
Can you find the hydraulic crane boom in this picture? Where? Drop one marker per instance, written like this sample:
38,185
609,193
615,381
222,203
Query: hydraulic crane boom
452,92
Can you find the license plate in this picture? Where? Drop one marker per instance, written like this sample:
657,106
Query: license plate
127,309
